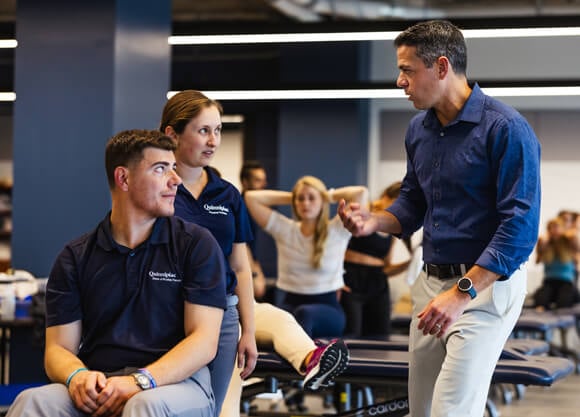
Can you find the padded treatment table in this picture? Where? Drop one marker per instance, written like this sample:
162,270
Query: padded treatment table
543,323
401,342
387,368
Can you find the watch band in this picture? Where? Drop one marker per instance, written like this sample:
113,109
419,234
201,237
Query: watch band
465,285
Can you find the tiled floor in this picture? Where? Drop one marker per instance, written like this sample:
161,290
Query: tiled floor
561,400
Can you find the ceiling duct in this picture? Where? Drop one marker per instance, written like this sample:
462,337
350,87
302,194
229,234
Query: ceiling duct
298,10
317,10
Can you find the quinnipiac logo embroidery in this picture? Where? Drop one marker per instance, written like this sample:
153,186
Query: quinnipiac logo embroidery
211,209
164,276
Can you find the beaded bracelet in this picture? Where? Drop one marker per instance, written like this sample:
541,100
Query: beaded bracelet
73,373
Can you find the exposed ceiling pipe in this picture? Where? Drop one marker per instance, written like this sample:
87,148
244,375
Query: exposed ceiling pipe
299,10
314,10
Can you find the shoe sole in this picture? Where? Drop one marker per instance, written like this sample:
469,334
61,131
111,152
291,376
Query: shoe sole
333,362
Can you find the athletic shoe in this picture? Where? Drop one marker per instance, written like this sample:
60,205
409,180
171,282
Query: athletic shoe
327,362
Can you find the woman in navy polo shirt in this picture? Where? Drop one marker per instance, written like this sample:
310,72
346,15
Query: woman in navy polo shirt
194,122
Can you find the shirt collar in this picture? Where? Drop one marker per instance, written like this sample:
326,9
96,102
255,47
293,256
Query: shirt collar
214,182
159,234
472,111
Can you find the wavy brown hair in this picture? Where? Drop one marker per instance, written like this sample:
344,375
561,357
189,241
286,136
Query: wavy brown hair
321,229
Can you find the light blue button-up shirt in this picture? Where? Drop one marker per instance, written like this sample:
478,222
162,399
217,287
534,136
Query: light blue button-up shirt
474,186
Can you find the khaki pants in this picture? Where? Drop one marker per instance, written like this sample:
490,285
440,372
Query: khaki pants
450,376
190,398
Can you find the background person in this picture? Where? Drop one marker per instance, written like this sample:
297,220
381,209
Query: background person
310,250
473,183
366,297
253,177
133,307
557,250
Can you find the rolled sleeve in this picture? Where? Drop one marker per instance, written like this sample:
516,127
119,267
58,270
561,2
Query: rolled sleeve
517,154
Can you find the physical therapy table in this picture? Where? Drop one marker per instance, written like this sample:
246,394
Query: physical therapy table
381,367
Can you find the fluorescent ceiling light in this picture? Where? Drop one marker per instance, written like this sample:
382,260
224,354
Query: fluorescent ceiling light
344,36
521,33
281,38
232,118
300,94
360,36
393,93
532,91
7,96
8,43
368,93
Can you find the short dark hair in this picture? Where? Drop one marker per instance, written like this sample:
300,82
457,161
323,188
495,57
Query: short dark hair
249,166
127,147
436,38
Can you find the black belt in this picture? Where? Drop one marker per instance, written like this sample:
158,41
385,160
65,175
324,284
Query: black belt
447,271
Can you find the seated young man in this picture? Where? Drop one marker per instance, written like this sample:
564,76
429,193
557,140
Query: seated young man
134,306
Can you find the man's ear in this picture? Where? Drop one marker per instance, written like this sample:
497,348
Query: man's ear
122,178
443,66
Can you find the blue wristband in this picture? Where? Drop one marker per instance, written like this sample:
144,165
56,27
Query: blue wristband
73,373
145,372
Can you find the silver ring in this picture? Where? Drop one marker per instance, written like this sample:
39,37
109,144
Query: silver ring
438,326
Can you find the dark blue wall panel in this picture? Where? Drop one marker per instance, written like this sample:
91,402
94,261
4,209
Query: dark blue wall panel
74,66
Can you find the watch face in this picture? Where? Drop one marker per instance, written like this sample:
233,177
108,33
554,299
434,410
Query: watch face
464,284
142,381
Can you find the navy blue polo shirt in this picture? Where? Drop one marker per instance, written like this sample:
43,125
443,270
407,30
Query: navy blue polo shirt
131,302
221,209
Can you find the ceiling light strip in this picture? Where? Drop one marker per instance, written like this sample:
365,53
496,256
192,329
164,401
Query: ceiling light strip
8,43
345,36
7,96
376,93
280,38
361,36
532,91
360,93
521,32
301,94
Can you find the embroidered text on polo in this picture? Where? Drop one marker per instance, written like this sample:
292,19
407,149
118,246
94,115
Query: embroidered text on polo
164,276
211,209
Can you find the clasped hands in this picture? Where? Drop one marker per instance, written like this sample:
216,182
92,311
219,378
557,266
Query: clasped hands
95,394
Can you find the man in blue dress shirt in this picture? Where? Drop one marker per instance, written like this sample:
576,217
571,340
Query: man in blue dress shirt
473,184
133,308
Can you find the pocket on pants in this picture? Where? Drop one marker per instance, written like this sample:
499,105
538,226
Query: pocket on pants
505,294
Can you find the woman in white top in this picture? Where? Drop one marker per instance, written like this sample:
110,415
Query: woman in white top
310,250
